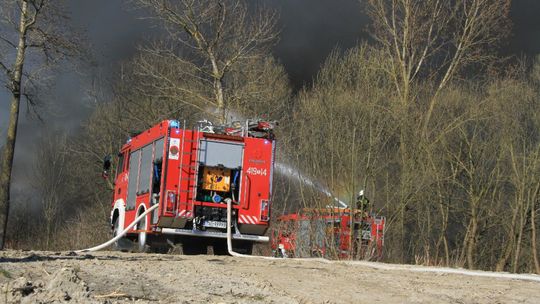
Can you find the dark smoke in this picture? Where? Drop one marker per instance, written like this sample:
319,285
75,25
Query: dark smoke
310,30
525,39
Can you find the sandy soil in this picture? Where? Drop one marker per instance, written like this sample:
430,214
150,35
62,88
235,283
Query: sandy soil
114,277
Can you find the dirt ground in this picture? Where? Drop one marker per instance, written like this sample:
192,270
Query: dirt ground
114,277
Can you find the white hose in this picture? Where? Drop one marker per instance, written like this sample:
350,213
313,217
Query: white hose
121,234
229,232
446,270
383,266
229,237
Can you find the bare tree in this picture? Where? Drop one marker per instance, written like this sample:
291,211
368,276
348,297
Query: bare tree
50,179
427,44
435,39
518,109
32,39
535,208
214,37
340,135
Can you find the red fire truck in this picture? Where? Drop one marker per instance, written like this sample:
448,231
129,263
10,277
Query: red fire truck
190,173
329,232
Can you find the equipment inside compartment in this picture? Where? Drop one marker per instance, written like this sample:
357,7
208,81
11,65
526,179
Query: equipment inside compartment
215,184
216,179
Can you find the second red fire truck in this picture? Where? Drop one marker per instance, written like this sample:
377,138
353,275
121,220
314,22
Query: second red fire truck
336,233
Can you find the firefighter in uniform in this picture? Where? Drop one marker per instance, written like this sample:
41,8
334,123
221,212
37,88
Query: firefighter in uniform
362,202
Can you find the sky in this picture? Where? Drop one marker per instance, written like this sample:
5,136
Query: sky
310,30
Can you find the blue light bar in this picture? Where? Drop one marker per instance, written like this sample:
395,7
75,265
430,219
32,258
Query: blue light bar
174,124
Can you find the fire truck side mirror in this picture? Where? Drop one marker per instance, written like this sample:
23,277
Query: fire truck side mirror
106,166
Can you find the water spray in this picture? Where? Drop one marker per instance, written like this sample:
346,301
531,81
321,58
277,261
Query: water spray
295,173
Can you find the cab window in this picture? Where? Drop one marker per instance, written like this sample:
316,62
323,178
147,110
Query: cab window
120,167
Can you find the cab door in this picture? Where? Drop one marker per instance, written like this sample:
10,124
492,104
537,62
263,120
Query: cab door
145,174
121,180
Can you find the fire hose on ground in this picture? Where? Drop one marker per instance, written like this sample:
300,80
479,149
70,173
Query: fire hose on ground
140,217
379,266
121,234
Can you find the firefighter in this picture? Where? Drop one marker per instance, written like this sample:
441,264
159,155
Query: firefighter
107,161
362,202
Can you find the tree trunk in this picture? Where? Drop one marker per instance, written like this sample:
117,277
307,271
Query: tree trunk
517,253
222,110
402,198
533,235
442,235
218,91
471,244
7,157
7,163
501,264
446,252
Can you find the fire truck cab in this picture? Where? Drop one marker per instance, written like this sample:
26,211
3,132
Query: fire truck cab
190,173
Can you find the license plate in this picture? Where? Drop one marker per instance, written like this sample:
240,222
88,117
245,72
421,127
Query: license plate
215,224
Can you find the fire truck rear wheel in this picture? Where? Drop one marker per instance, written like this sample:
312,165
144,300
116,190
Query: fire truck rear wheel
159,249
122,244
243,247
141,239
194,246
220,247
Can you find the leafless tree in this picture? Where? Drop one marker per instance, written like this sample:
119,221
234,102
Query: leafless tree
340,134
435,39
427,45
32,39
50,180
209,39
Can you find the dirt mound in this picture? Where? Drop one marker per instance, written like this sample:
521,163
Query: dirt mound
64,286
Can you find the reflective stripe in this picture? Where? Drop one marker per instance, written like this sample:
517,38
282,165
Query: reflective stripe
184,213
247,219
